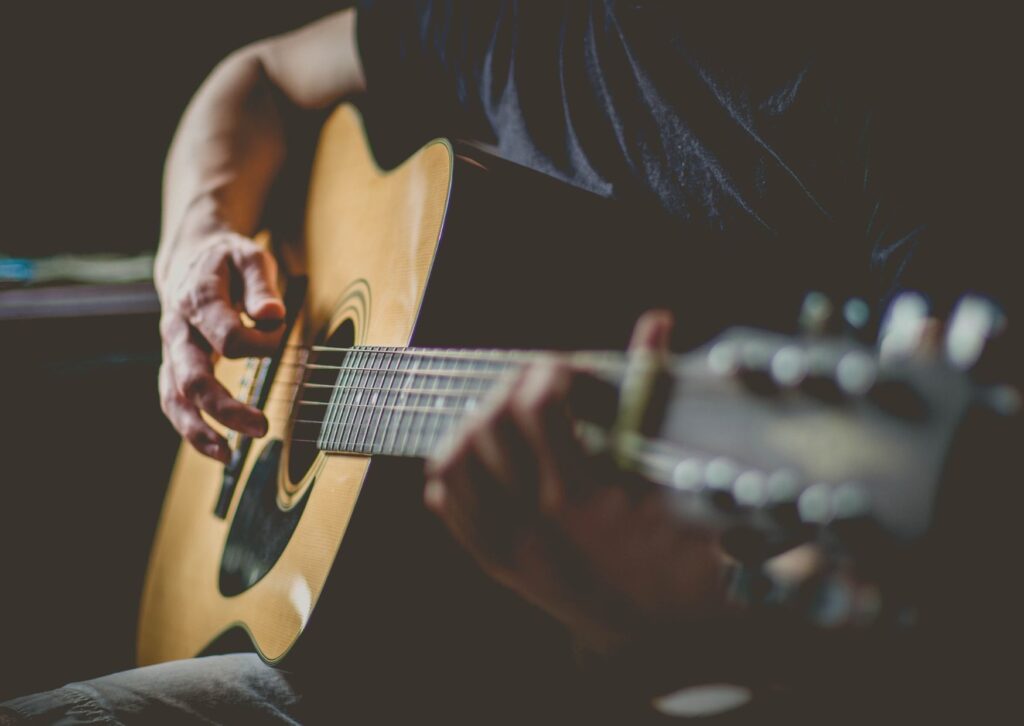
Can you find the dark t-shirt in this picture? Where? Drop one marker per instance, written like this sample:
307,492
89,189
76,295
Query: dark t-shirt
835,150
859,151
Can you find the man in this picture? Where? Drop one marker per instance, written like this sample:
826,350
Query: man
786,142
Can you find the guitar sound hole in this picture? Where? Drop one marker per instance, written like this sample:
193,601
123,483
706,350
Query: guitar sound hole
260,529
310,400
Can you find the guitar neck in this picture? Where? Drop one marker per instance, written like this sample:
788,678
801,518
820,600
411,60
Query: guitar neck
403,401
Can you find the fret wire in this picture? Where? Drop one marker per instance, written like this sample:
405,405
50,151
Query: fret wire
395,421
415,410
415,367
435,400
376,398
337,397
356,425
354,419
428,436
355,397
360,421
347,395
381,430
476,388
423,443
326,432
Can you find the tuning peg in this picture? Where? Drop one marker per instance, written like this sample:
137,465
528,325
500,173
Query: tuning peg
856,314
815,313
1004,400
974,322
904,326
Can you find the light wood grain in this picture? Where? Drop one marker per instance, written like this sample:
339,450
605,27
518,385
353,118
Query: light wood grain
361,224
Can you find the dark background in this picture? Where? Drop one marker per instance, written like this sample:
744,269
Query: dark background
91,95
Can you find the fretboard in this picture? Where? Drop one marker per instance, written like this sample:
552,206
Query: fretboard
404,401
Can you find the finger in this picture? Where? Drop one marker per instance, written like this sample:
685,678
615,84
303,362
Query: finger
504,450
540,411
196,383
187,421
221,327
261,297
451,496
192,371
652,331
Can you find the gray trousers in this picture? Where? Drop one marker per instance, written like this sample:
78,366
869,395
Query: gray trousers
229,689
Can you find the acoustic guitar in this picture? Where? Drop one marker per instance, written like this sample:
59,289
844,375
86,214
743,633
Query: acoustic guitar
412,293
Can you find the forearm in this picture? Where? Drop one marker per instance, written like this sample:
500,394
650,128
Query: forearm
224,156
231,140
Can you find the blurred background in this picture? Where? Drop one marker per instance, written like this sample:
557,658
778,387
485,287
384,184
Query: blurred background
91,96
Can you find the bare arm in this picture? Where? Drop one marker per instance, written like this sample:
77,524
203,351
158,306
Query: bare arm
228,148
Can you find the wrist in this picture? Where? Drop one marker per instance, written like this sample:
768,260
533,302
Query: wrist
199,228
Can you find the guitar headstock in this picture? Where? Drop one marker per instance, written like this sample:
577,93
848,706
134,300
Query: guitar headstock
824,436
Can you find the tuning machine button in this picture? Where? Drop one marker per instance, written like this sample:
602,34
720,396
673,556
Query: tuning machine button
751,489
816,313
789,366
820,379
719,477
904,326
857,316
815,505
782,491
1005,400
974,322
688,475
856,372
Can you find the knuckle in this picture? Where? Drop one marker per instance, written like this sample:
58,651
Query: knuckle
204,292
443,469
195,384
492,418
447,468
246,253
194,435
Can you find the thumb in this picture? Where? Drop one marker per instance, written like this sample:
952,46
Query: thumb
261,297
652,331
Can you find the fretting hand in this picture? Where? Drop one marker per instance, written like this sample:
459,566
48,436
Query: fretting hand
561,528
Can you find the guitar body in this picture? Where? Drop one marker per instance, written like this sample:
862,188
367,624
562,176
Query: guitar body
451,248
371,239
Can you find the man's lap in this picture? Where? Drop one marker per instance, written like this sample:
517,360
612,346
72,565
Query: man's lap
218,689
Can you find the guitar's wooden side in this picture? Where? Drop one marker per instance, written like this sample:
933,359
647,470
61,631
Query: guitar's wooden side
365,229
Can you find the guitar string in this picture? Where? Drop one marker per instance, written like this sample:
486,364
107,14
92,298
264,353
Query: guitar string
495,356
655,460
421,372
